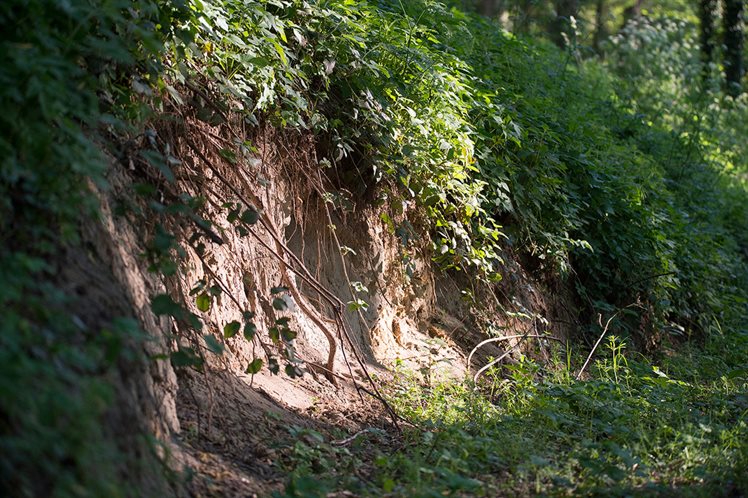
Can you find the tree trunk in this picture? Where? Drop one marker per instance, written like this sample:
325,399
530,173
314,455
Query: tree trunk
490,8
565,10
600,30
733,39
707,10
632,12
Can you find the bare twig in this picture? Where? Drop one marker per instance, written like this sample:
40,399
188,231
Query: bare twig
599,340
506,338
348,440
507,353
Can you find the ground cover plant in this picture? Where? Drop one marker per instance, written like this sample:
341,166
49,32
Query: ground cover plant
633,428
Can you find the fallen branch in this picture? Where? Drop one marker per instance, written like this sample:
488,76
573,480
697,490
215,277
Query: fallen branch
498,360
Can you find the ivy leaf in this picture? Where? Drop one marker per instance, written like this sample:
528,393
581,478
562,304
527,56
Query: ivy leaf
274,334
254,367
280,304
185,357
163,304
250,329
213,344
250,216
203,302
231,329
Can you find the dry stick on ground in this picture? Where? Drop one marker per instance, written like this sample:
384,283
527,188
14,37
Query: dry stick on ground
348,440
507,337
599,340
498,360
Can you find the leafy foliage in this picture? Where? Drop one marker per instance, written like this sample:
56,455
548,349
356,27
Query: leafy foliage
623,176
65,69
446,112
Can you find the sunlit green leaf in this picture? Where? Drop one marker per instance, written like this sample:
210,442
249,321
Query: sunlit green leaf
231,329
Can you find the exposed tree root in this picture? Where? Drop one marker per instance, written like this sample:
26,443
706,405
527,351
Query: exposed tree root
295,265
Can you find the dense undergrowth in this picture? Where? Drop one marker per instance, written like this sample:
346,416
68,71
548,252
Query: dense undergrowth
623,176
589,174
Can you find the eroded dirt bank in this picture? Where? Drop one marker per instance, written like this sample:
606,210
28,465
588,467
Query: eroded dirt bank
320,249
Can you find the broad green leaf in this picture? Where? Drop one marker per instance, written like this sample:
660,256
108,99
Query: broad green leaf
163,304
250,216
231,329
274,334
185,357
281,52
254,367
250,329
203,302
213,344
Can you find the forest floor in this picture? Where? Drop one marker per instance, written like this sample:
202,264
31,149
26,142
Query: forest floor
631,428
248,441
